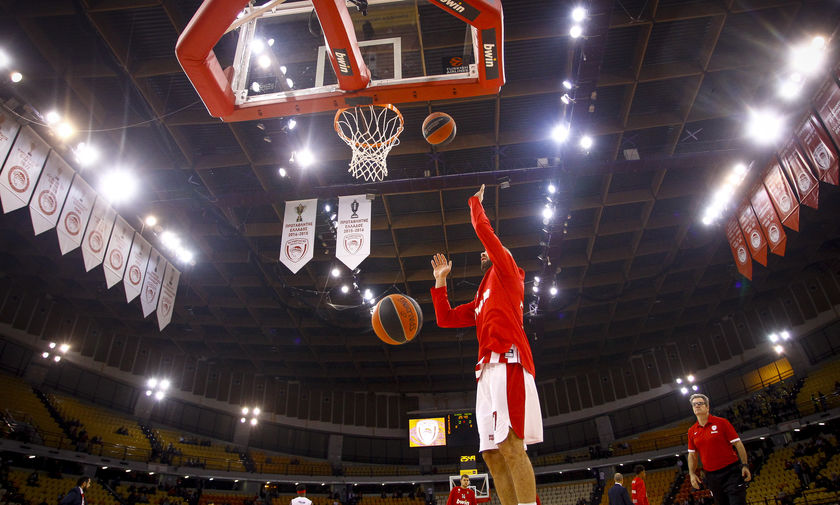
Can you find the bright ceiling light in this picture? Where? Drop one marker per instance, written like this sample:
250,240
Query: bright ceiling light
283,68
578,14
255,87
264,61
52,117
535,288
552,188
368,295
169,240
694,387
684,390
567,84
289,82
576,31
254,421
52,345
257,46
345,288
327,207
242,420
560,133
148,392
159,395
185,256
779,349
785,335
566,99
86,154
270,42
4,59
690,378
164,384
764,126
586,142
118,185
152,383
245,411
282,172
65,130
45,355
304,157
57,359
150,220
548,213
807,59
16,77
335,272
257,411
292,123
679,380
818,42
64,348
553,290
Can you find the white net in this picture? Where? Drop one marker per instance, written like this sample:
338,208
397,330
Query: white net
370,131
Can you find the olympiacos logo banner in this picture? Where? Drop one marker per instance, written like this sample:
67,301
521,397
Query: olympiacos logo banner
74,217
117,253
98,230
8,131
353,234
21,169
168,290
151,284
50,193
298,233
739,248
135,269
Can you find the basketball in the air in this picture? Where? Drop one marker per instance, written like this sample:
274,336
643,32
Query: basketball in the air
397,319
439,128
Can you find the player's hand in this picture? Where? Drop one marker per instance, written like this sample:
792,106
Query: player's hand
745,473
440,267
695,480
480,194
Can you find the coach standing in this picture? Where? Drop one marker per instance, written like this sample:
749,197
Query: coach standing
713,438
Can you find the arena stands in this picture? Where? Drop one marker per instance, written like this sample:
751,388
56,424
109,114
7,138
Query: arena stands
568,492
48,490
657,483
191,451
133,494
21,405
651,440
820,390
266,463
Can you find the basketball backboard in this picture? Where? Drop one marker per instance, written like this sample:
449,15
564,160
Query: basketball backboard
311,56
479,482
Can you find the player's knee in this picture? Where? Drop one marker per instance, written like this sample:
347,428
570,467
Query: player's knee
511,447
492,456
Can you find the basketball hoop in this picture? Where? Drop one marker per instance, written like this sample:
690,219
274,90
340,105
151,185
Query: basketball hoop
370,131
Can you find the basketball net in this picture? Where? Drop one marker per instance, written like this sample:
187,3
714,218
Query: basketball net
370,131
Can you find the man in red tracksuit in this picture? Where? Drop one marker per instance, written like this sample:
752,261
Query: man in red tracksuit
507,407
462,495
638,491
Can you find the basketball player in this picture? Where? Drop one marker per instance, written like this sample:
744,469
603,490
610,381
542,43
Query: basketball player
713,438
506,405
301,498
462,495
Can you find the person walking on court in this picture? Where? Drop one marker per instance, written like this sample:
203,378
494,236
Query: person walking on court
76,496
637,486
507,408
301,498
462,495
617,494
713,439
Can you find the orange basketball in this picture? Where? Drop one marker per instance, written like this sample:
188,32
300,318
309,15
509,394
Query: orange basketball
397,319
439,128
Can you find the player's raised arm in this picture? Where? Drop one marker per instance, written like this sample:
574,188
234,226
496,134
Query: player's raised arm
447,317
498,254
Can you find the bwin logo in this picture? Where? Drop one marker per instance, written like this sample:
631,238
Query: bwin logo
455,6
343,64
489,53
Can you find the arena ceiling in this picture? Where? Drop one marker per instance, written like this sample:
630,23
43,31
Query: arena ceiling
670,81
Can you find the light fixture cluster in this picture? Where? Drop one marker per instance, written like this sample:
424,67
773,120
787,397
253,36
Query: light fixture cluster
723,196
157,388
545,282
353,283
5,63
689,384
777,338
578,16
56,351
171,241
250,415
806,59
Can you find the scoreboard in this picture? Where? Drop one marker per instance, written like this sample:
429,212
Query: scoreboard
455,429
461,429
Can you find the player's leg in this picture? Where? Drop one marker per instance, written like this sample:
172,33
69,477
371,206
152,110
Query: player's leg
519,468
501,476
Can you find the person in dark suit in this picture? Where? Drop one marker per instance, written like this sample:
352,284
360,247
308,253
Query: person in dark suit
617,494
76,496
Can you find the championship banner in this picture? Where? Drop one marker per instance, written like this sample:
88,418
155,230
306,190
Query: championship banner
806,185
298,233
21,170
827,103
118,248
752,233
739,248
8,131
151,283
75,215
135,269
98,231
167,295
50,193
819,149
353,234
770,223
782,196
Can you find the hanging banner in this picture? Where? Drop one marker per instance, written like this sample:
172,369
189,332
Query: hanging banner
8,131
739,248
98,230
21,170
807,187
352,244
827,103
151,283
298,233
50,193
770,223
819,150
752,233
782,196
118,247
135,269
74,217
167,295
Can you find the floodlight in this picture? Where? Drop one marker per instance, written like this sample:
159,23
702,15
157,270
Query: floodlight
785,335
578,14
566,99
65,130
185,256
552,188
553,290
336,272
242,420
169,239
52,117
576,31
567,84
150,220
16,77
560,133
535,289
159,395
779,349
789,89
292,123
345,288
764,126
64,348
4,59
679,380
52,345
586,142
118,185
257,46
281,171
45,355
57,358
304,157
257,411
148,392
264,61
270,42
694,387
86,154
807,58
152,383
289,82
684,390
327,208
548,213
690,378
283,68
255,87
31,456
254,421
164,384
773,337
245,411
368,295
